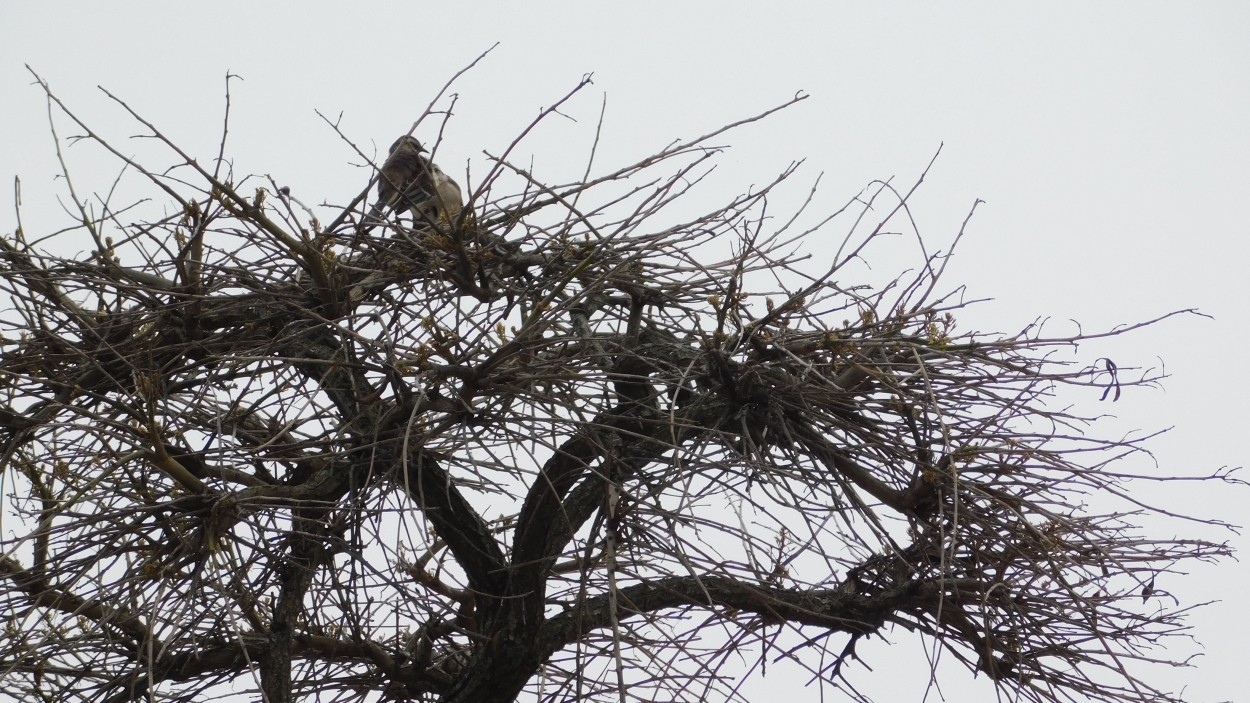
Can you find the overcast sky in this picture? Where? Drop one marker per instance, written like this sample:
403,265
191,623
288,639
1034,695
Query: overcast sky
1109,142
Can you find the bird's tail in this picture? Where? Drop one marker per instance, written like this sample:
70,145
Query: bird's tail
375,216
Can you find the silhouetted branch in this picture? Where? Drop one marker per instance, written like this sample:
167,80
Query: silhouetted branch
543,447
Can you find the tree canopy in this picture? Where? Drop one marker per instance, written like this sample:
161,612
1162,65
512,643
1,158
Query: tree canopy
571,444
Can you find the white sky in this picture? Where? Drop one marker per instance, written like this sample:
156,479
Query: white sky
1108,140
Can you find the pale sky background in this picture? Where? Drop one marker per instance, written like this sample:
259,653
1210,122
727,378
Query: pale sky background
1109,142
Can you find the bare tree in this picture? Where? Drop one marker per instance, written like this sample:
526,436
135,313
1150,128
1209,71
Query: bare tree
565,445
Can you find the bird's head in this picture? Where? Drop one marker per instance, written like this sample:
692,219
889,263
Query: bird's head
407,143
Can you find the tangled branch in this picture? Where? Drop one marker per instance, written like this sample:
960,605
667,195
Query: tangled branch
546,446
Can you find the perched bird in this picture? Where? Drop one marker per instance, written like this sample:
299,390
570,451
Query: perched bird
448,200
409,180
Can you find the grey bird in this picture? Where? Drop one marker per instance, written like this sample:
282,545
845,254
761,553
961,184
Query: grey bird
409,180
